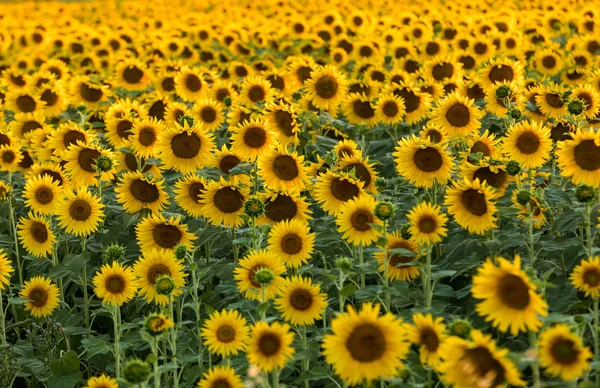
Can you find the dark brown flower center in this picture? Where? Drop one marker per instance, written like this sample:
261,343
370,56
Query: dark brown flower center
528,143
39,297
269,344
144,191
442,71
186,145
168,84
157,110
494,179
587,155
284,121
429,338
220,383
513,292
80,210
228,162
549,62
208,114
458,115
72,137
26,103
285,167
281,208
193,83
486,366
155,271
363,109
427,224
133,75
591,277
301,299
343,190
481,147
228,200
166,236
29,126
8,156
361,219
115,284
411,100
428,159
390,109
255,137
501,73
147,136
90,94
44,195
225,334
564,351
360,171
303,73
195,190
474,202
256,93
554,100
366,343
291,244
124,129
39,232
326,87
87,159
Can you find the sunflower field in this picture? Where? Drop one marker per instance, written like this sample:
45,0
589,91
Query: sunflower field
295,193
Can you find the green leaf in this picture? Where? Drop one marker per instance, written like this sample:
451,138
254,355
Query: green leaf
442,274
349,289
313,374
67,365
401,252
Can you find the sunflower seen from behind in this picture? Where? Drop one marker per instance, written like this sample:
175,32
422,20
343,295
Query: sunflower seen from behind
220,376
115,284
153,263
562,353
422,162
292,241
508,297
586,277
365,346
270,346
80,213
472,205
136,191
225,333
36,236
185,148
300,301
42,295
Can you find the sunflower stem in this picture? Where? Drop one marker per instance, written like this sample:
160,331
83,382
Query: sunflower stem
427,288
235,252
174,345
531,245
197,304
117,330
361,261
386,270
305,361
2,325
595,332
263,300
155,363
535,366
588,227
276,378
342,277
13,224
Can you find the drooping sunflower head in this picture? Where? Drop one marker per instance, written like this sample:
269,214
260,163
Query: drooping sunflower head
563,354
115,284
42,295
225,333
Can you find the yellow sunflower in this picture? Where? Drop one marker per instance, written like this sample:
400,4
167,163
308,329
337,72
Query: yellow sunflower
209,113
10,157
579,157
365,345
255,89
270,346
281,207
357,222
361,169
220,376
157,232
6,270
549,101
300,302
476,363
458,115
223,202
136,191
427,223
586,277
42,194
494,175
284,120
65,136
187,194
42,295
501,70
253,138
247,268
509,298
185,148
102,381
80,213
429,334
471,204
153,263
390,109
416,102
359,110
115,284
81,164
346,149
400,267
535,206
35,234
332,190
132,74
225,160
225,333
422,162
528,143
189,84
563,354
281,170
144,137
327,87
292,241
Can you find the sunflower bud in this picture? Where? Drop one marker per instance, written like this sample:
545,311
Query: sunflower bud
136,372
164,285
405,232
185,119
180,251
575,107
344,264
585,193
264,276
460,328
384,210
515,113
104,163
227,101
114,252
157,324
523,197
254,207
513,168
380,184
503,92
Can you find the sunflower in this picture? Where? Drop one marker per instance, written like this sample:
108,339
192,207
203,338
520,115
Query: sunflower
23,102
270,346
281,207
225,333
476,363
10,157
86,92
223,202
433,133
579,157
6,270
255,89
81,163
119,121
221,376
500,106
42,295
346,149
400,267
157,232
209,113
536,207
485,144
332,190
416,102
35,234
247,267
357,222
283,171
222,89
189,84
563,354
586,277
361,169
185,148
115,284
80,213
492,174
102,381
422,162
283,119
187,194
365,346
66,136
429,334
52,170
458,115
292,241
153,263
175,111
144,137
359,110
390,109
501,70
136,191
548,62
528,143
26,124
549,101
471,204
253,138
327,87
300,301
590,98
427,223
131,74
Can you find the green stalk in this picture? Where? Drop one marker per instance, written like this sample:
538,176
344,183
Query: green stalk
174,345
263,300
426,278
197,311
276,378
13,224
588,227
117,329
2,325
341,296
386,270
531,245
361,261
595,336
86,302
535,366
305,361
235,252
155,363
